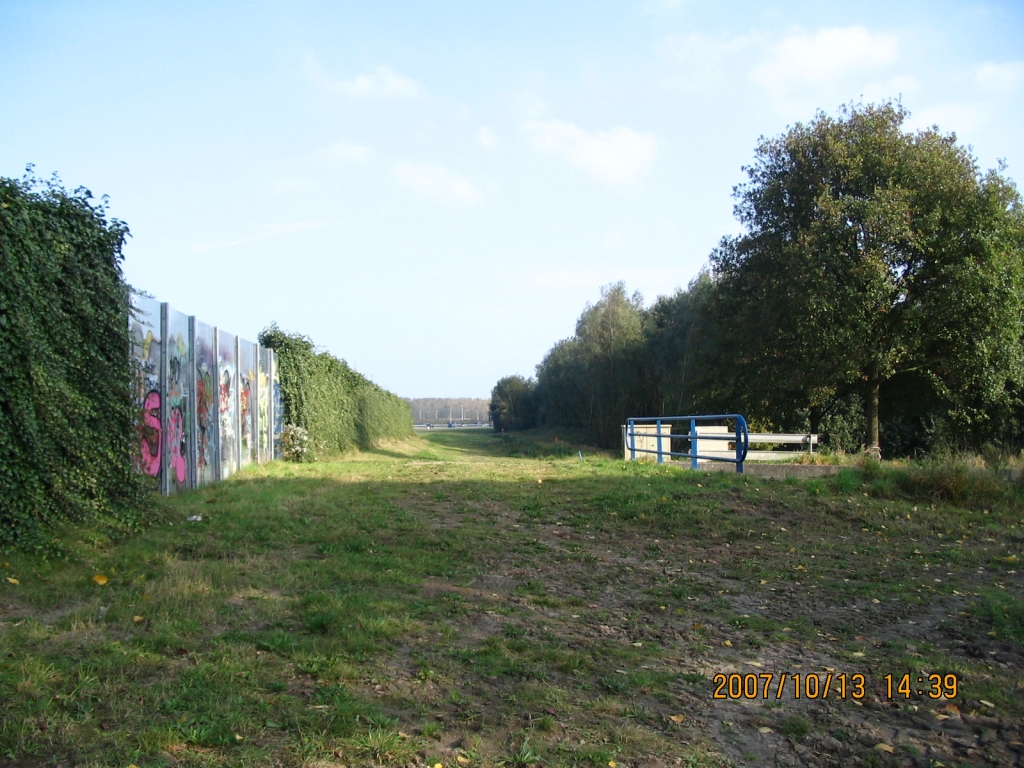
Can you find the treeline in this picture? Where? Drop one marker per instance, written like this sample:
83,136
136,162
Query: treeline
875,296
67,416
443,408
339,408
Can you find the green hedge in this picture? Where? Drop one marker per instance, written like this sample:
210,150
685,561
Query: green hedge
66,408
340,408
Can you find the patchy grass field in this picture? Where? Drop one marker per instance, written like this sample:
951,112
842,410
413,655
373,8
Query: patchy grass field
472,600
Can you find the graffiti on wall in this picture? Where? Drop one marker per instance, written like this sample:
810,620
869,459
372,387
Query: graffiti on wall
205,401
278,408
263,389
145,331
207,412
227,407
179,410
246,415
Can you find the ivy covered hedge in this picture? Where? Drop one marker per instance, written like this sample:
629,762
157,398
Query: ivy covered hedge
66,409
339,408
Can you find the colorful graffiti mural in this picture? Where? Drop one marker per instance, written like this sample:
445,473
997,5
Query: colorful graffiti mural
205,399
207,413
263,409
146,350
179,406
246,401
278,408
227,397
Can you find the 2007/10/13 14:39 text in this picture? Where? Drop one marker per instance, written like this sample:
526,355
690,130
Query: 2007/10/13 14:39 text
768,685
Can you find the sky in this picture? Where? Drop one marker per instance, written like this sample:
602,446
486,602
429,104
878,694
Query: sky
433,191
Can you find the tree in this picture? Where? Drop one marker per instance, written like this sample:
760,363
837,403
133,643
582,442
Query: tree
512,404
871,252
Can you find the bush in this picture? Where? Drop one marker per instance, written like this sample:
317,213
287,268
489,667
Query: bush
295,445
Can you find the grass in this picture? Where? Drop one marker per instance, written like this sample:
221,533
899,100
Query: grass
465,595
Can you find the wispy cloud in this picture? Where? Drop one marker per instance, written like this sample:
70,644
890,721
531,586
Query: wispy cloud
703,59
619,156
436,182
488,138
822,57
383,83
1000,78
343,150
268,230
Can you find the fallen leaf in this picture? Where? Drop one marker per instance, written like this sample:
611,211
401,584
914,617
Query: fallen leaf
787,629
13,580
953,709
858,654
765,729
884,747
239,737
138,619
465,760
764,581
754,664
612,764
100,579
727,643
875,600
941,717
638,645
987,703
438,765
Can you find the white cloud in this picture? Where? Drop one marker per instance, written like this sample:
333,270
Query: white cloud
950,117
824,57
530,104
268,230
384,83
1000,78
703,60
435,182
618,156
345,151
615,239
488,138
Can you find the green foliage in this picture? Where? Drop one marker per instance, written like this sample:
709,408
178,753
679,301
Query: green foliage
871,253
595,379
879,279
339,408
513,404
66,410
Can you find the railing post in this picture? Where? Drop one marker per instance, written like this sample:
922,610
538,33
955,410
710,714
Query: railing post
660,457
739,449
631,437
693,443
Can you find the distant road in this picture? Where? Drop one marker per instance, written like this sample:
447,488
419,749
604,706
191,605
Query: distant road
425,428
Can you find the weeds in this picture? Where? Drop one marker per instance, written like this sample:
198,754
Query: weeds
331,609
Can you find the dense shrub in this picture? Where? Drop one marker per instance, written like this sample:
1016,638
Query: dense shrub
339,408
66,408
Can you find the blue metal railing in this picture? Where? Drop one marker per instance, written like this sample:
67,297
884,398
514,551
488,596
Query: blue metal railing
663,431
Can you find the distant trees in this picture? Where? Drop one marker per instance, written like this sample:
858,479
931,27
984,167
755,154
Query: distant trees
513,404
593,379
879,280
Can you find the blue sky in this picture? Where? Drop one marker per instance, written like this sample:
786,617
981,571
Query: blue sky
433,191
